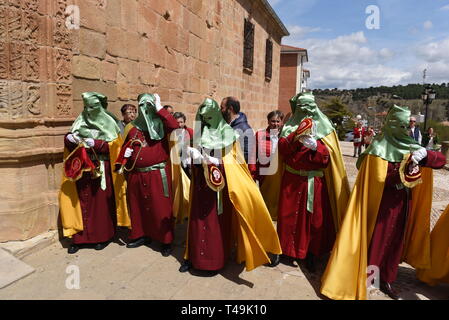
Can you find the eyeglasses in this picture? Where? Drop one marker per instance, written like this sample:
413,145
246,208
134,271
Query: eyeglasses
412,121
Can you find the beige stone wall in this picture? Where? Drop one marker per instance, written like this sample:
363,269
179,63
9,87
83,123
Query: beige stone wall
185,50
36,109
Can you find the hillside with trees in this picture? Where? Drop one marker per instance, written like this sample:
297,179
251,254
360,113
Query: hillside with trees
372,103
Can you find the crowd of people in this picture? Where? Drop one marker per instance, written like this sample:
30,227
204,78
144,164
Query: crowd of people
363,136
227,184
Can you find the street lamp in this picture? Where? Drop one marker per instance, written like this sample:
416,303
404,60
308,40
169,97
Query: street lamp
427,97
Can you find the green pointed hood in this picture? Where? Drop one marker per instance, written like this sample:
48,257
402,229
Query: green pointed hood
148,120
394,141
95,121
210,127
303,106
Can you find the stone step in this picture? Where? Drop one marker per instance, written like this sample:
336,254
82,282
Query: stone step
12,269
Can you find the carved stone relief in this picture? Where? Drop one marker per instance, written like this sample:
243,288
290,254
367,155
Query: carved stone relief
21,55
33,97
63,66
64,96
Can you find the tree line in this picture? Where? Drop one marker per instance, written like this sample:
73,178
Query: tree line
410,91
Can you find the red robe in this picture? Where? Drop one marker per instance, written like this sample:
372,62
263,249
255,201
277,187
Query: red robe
97,205
150,210
209,235
299,230
387,242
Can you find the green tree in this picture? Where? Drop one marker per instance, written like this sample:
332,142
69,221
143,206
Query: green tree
339,114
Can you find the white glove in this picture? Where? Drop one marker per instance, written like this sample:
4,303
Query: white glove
308,142
212,160
128,153
73,138
418,155
157,102
194,154
90,142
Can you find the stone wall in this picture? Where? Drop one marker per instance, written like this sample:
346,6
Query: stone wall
36,108
185,50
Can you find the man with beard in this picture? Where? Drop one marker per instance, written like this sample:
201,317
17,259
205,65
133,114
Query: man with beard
148,177
387,220
230,108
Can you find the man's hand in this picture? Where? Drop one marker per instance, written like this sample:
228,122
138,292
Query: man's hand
418,155
308,142
128,153
212,160
73,138
194,154
157,102
90,142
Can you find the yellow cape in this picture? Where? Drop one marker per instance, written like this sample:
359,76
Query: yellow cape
255,232
69,204
346,272
180,184
336,180
439,253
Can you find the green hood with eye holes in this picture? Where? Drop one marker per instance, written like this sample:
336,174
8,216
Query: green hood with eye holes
148,120
95,121
394,142
211,128
303,106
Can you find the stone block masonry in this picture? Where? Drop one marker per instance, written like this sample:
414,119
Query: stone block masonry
183,50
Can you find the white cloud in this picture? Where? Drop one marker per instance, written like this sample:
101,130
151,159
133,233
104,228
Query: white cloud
298,32
446,7
434,57
386,53
434,51
348,62
428,25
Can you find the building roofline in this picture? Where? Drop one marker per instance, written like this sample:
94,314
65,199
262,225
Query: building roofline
269,9
285,49
288,48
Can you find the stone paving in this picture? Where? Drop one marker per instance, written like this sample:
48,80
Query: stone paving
142,273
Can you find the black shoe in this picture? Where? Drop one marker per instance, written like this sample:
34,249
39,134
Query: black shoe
73,249
139,242
210,273
386,288
101,245
166,249
186,266
310,263
275,261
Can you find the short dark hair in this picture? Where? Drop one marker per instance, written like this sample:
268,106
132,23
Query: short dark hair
126,107
275,113
178,115
168,106
232,102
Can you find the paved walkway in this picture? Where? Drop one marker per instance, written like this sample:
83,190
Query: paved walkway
142,273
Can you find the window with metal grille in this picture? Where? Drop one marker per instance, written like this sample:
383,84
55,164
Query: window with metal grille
248,46
268,59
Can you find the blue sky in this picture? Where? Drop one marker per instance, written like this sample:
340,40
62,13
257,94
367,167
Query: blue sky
412,36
